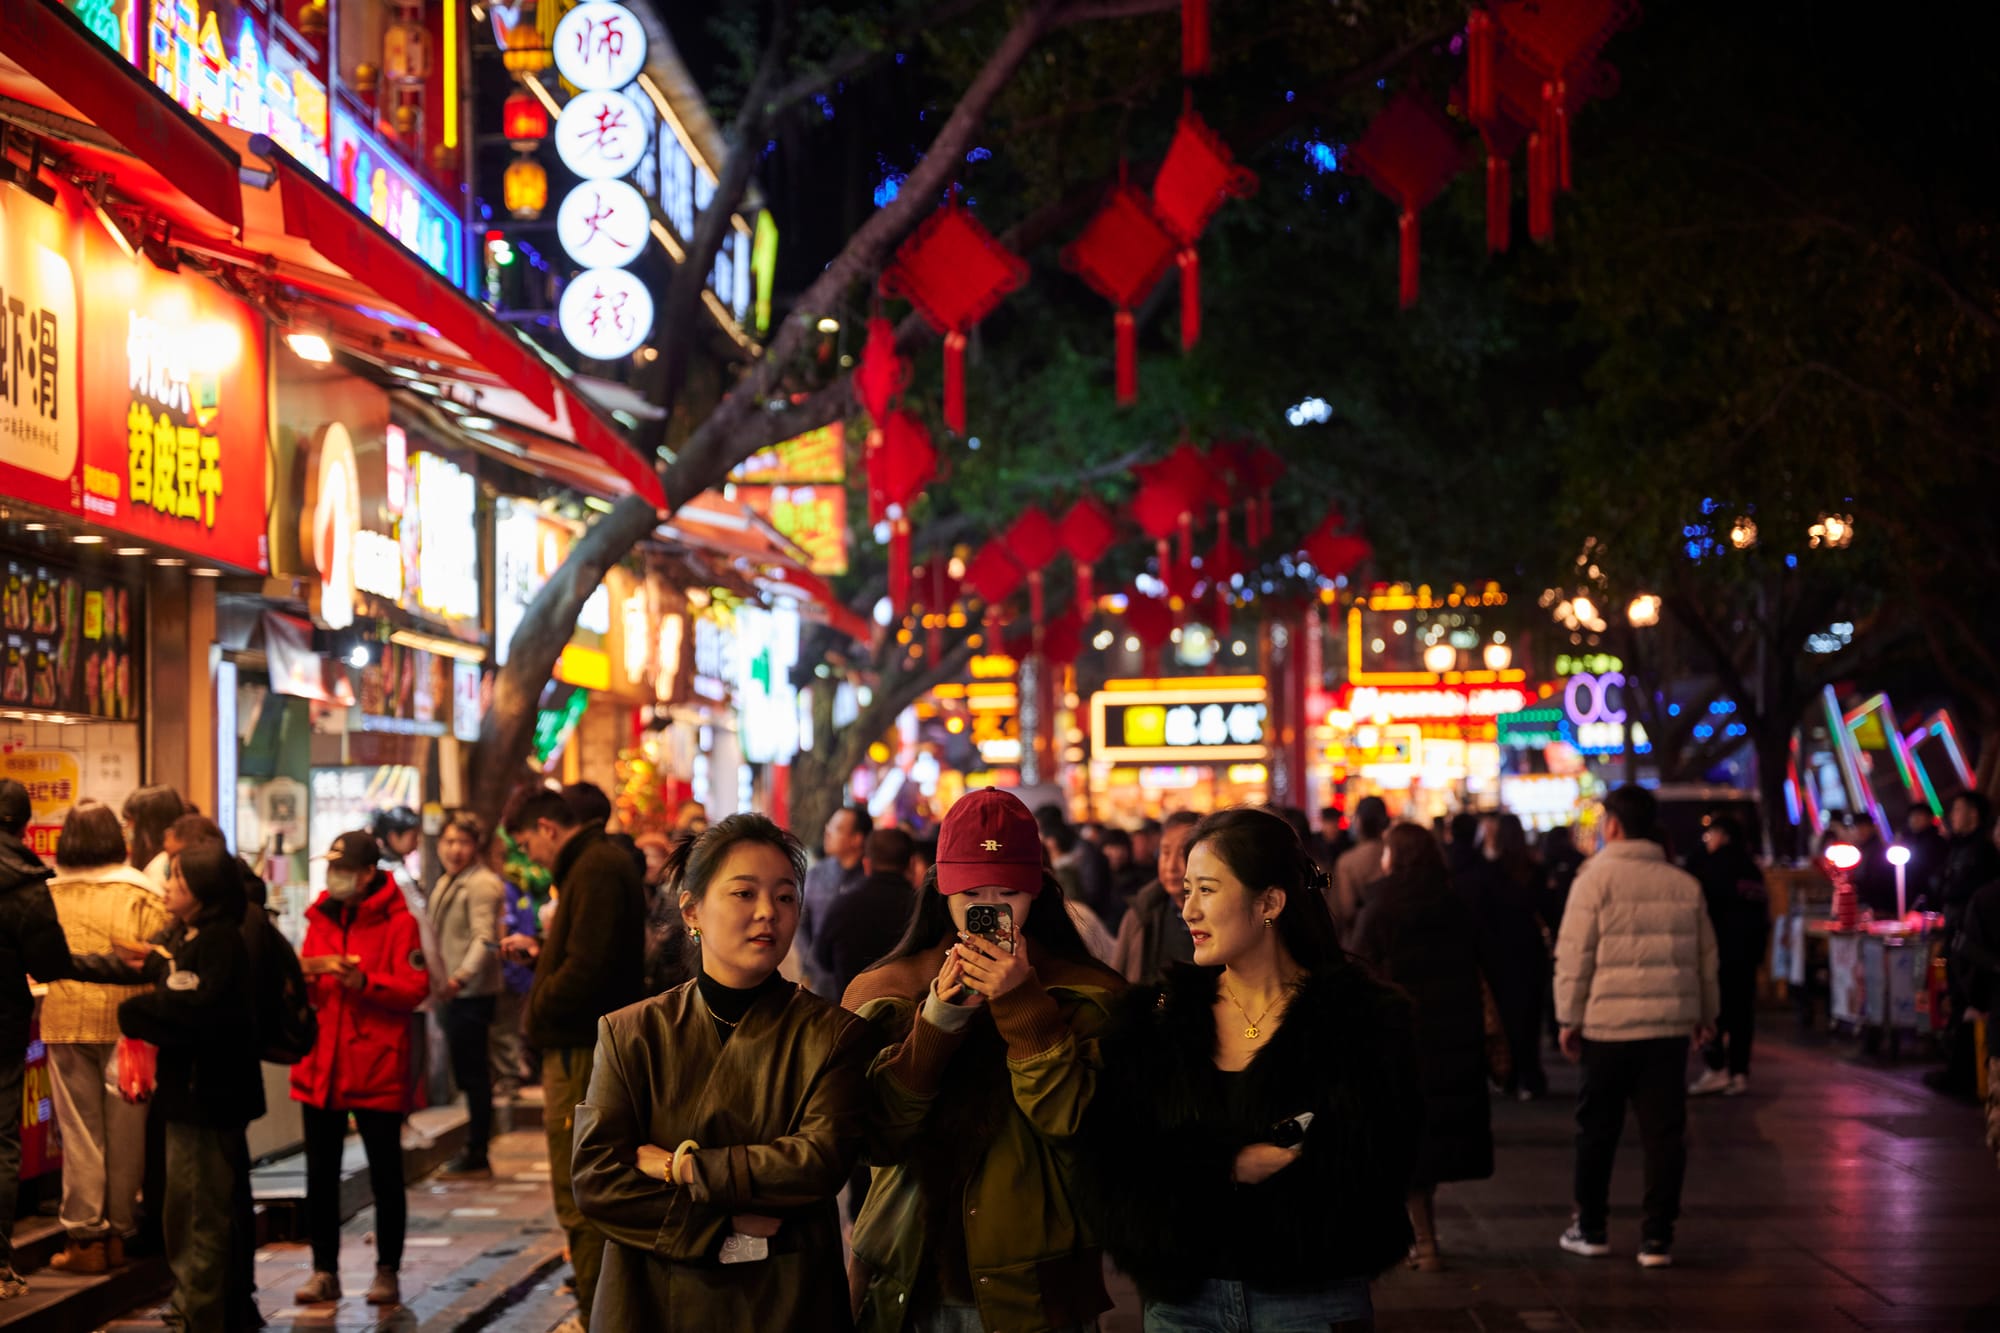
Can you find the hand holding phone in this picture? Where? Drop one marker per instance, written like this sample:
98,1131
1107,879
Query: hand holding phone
993,922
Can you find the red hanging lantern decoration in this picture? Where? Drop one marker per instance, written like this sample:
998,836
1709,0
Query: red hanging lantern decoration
1557,40
1197,177
1034,543
1526,101
936,591
1194,38
1410,153
524,120
880,378
993,576
1262,468
900,470
1334,552
1087,533
1151,622
1122,254
1062,638
954,272
1164,505
1481,42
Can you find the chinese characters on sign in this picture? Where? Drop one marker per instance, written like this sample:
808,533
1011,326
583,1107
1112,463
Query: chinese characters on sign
814,518
599,46
605,313
53,779
38,348
174,465
374,181
186,56
1221,724
603,224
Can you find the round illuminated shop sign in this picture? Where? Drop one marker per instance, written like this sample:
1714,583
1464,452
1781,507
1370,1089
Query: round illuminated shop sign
600,135
600,46
605,313
603,224
333,518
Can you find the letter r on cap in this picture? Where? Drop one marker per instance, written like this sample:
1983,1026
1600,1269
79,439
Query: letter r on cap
990,845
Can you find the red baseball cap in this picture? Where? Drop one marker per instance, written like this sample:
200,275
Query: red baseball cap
989,838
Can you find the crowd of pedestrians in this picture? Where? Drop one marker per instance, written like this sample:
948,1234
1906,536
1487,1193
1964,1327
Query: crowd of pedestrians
1021,1045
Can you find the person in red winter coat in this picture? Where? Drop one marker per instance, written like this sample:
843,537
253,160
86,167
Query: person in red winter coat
364,960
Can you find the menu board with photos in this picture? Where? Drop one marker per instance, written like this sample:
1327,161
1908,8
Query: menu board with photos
67,642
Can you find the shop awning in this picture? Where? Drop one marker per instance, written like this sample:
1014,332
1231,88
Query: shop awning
300,233
712,525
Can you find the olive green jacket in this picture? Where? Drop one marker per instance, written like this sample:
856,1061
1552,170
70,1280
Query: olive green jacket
1033,1263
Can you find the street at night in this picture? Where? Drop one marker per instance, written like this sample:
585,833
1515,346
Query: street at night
998,666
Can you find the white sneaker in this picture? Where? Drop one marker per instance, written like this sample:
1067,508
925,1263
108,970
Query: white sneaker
1576,1242
1714,1081
1738,1085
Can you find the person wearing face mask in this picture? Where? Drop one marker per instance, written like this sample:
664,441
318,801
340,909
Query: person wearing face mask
364,959
722,1117
1152,937
1256,1115
969,1222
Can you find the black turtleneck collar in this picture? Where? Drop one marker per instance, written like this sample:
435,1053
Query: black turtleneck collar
728,1005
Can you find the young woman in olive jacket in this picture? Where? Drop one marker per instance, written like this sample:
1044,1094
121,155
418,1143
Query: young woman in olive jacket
970,1221
1202,1185
722,1117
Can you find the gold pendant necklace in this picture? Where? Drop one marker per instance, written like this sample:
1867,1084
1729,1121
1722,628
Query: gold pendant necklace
1251,1030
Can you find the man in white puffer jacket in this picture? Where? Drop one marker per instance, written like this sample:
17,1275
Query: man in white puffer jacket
1636,978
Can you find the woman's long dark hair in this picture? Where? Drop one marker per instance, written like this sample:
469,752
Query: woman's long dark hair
1415,860
1047,924
1261,849
215,878
152,811
1510,845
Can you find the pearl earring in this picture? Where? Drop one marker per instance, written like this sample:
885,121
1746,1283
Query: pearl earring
1267,923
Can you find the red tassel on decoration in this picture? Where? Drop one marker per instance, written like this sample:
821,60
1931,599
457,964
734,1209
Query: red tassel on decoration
1406,227
1190,262
871,461
899,566
1479,66
954,381
1164,553
1558,99
1541,189
1194,37
1128,359
1187,539
937,606
1035,604
1499,203
1086,595
1221,616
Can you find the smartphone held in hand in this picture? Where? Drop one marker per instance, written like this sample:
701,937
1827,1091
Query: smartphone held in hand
992,922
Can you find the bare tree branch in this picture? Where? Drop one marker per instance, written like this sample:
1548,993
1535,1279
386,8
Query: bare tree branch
715,447
858,60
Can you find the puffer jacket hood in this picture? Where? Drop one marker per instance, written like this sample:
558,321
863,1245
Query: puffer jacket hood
1637,955
19,866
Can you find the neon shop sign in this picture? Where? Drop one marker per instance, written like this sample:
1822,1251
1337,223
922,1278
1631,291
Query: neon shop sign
371,178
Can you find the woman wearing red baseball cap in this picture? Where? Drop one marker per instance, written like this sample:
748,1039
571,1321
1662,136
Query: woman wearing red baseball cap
1256,1117
968,1224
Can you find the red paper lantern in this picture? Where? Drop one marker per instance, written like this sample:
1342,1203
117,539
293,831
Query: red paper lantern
1062,638
1197,177
1194,38
880,378
993,575
524,120
1151,621
900,470
1557,40
1033,541
1334,552
954,272
1087,533
1122,254
1409,153
1255,469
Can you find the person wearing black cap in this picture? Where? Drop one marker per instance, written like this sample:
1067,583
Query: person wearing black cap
364,960
31,944
970,1221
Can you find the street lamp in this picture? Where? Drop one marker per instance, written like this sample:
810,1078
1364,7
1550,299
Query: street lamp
1899,857
1440,658
1498,656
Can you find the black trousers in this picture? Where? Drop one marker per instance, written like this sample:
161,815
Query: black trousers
326,1140
1650,1076
1737,1028
13,1069
468,1027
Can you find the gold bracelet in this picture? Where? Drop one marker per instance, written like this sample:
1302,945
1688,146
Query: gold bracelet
674,1162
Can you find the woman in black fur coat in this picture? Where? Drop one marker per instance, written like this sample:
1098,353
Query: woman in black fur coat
1256,1120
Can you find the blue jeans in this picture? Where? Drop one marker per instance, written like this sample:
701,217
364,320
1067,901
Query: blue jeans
1232,1307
